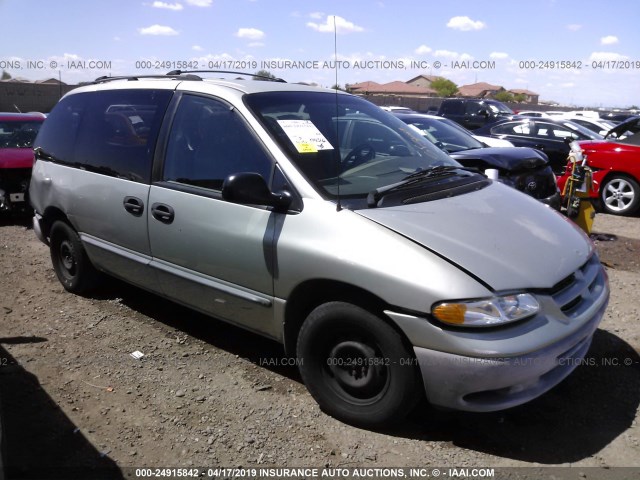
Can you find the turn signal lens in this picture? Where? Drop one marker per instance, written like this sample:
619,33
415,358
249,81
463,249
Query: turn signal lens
487,312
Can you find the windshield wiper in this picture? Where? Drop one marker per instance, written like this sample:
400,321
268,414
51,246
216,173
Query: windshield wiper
410,180
437,171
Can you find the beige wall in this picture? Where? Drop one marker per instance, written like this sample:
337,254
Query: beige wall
30,97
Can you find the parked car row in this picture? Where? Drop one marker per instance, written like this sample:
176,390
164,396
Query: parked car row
615,163
525,169
612,149
548,135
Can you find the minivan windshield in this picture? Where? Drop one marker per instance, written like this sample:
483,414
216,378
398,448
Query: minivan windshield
344,145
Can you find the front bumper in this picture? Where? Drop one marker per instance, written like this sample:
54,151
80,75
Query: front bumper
14,189
37,228
486,370
489,384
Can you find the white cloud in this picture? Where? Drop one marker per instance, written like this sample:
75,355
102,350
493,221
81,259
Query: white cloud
568,85
341,25
446,54
197,48
465,57
200,3
250,33
609,40
316,15
423,49
465,24
606,56
498,55
157,30
116,39
168,6
574,27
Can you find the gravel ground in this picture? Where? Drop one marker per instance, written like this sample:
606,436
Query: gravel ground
207,394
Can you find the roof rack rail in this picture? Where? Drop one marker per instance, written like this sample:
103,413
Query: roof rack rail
182,72
133,78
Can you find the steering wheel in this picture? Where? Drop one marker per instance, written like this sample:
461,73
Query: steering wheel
359,155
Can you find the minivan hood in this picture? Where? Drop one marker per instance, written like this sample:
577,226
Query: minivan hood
504,238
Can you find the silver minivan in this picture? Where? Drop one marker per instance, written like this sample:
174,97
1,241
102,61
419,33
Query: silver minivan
317,219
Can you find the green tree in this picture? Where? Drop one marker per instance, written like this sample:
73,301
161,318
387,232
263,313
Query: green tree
5,75
337,87
504,96
520,97
444,87
264,73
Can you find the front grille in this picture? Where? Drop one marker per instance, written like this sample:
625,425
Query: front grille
578,291
537,183
15,180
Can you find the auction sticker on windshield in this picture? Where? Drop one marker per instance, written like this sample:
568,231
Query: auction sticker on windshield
305,136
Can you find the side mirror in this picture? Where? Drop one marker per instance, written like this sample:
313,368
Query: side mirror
250,188
484,112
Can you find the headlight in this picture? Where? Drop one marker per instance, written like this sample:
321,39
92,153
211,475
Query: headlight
487,312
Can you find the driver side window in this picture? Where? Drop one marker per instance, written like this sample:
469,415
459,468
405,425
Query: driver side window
210,141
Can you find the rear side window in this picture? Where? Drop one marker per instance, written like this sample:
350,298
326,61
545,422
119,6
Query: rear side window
512,129
118,133
473,108
453,108
110,132
58,134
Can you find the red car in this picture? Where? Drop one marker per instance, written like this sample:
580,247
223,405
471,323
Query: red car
17,133
616,168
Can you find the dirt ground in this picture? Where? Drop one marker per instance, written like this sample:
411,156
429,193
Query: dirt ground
207,394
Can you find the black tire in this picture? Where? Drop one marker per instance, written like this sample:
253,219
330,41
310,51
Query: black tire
70,262
356,366
620,195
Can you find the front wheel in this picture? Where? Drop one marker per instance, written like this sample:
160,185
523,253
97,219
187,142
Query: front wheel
70,262
356,366
620,195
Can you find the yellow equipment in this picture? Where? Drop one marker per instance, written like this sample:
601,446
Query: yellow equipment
577,190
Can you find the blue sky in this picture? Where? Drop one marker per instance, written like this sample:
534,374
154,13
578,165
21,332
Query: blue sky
123,33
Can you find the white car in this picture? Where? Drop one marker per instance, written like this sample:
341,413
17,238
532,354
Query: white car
397,109
493,142
594,124
533,113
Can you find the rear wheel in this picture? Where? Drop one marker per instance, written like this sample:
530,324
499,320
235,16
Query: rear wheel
356,366
620,195
70,262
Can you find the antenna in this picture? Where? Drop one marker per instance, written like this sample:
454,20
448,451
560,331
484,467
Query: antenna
335,64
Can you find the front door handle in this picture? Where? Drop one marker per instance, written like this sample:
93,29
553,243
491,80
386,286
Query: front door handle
162,212
539,147
133,205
